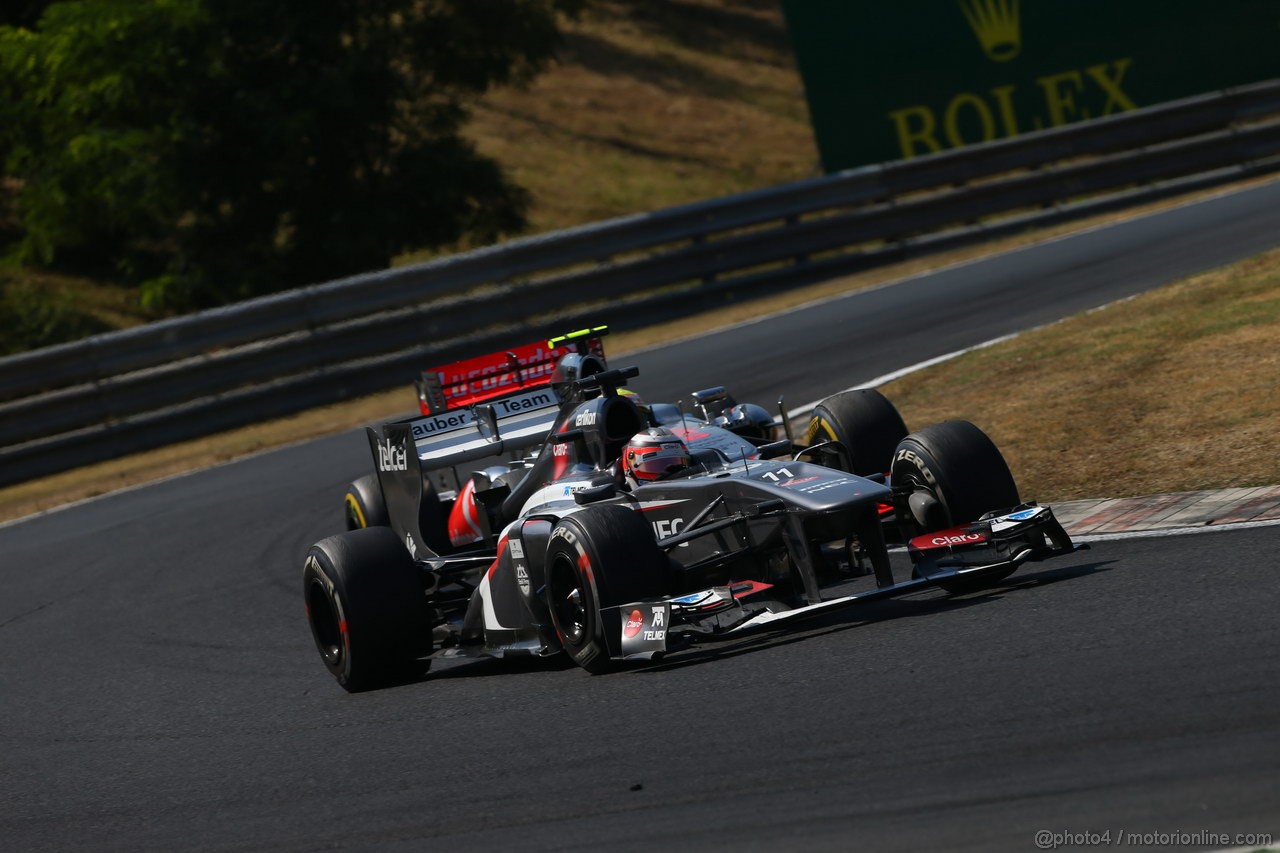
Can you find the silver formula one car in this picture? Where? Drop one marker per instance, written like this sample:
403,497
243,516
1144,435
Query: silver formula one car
576,548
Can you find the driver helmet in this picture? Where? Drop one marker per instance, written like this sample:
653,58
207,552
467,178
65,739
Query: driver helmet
654,453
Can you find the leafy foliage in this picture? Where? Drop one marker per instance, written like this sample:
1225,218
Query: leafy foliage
217,149
32,316
22,13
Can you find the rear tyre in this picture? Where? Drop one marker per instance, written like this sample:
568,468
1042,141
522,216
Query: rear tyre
956,475
367,608
599,557
364,506
865,422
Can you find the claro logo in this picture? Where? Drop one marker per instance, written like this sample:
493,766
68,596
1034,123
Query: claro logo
635,622
957,539
634,625
392,458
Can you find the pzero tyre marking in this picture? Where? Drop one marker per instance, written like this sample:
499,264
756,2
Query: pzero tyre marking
819,430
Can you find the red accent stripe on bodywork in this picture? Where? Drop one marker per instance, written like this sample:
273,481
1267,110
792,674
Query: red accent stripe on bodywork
946,539
493,567
741,589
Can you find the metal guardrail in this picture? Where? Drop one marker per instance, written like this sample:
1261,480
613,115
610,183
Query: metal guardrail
117,393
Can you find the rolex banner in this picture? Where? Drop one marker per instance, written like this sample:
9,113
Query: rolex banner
896,79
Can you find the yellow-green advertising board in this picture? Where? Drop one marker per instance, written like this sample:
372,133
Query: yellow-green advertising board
896,79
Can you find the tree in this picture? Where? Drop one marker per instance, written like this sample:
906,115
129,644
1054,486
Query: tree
216,149
22,13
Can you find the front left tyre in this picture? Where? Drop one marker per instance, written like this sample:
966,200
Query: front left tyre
367,608
865,423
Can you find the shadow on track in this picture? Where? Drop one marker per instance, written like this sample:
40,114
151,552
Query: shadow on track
824,624
892,609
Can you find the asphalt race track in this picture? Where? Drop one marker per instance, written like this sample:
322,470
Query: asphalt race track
159,688
808,353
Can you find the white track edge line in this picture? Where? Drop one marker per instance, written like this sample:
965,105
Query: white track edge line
1170,531
751,321
801,411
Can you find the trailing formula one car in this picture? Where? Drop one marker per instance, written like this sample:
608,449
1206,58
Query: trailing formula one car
633,531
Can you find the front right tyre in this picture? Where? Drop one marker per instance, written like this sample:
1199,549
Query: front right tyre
959,466
955,474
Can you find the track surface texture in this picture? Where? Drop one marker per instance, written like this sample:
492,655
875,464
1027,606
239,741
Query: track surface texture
160,690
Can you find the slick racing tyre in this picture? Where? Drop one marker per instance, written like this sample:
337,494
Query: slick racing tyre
367,609
865,422
956,474
601,556
363,504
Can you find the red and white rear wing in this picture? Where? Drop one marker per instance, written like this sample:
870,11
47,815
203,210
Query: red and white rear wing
475,380
516,383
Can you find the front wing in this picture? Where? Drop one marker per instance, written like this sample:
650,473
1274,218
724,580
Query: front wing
989,549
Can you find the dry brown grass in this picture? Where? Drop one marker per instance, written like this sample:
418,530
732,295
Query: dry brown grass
1174,390
652,105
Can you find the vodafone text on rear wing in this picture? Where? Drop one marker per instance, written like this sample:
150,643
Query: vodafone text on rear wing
475,380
